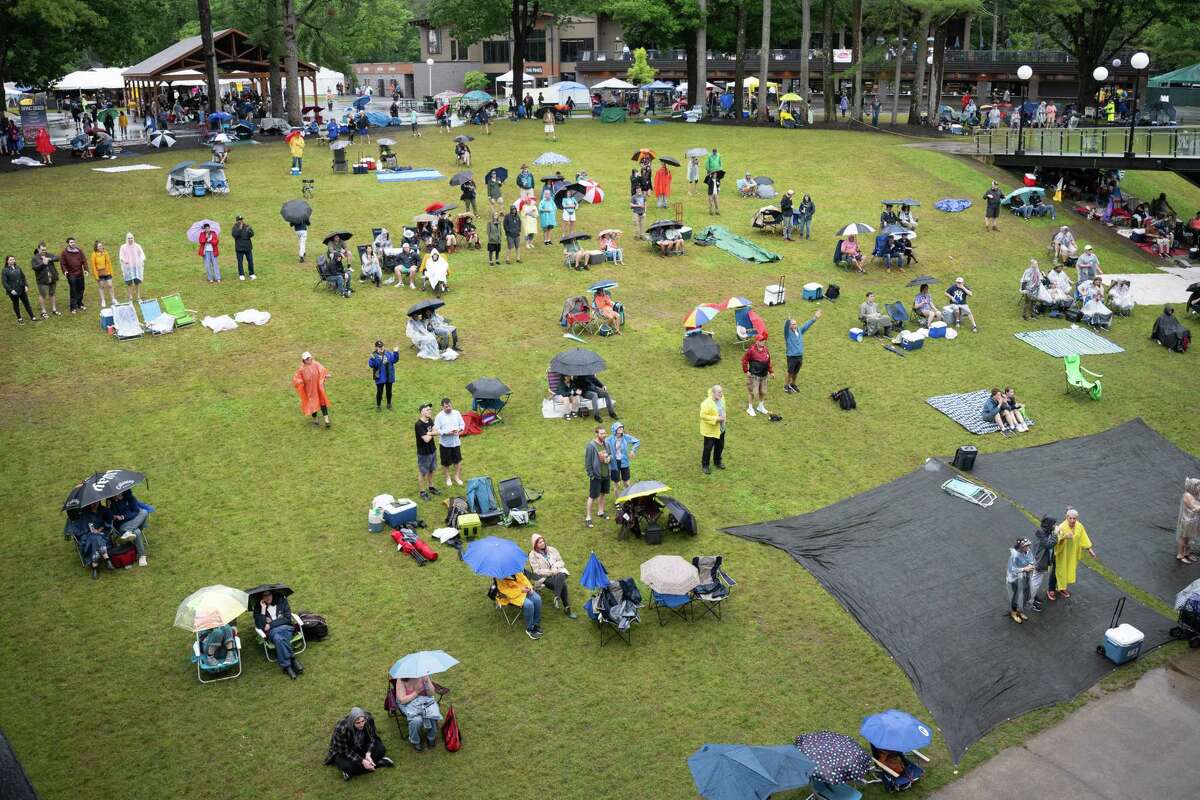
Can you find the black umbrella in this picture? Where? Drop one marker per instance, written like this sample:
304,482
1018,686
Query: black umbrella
553,179
461,178
761,179
577,361
101,486
669,160
500,173
1195,287
462,138
719,174
343,235
574,237
896,230
429,304
297,211
488,389
663,224
562,193
917,281
273,588
839,758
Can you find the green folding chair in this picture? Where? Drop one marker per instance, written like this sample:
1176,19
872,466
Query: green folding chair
1076,379
173,304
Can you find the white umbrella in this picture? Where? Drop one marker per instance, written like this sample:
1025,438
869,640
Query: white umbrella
855,229
670,575
210,607
162,139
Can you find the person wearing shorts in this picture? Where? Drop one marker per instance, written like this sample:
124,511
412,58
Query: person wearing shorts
958,294
569,204
426,452
991,214
548,125
596,461
412,122
756,363
512,234
793,337
621,447
449,426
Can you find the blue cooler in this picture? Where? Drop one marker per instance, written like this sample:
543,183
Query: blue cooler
812,291
912,344
401,512
198,190
1123,643
856,334
937,330
106,319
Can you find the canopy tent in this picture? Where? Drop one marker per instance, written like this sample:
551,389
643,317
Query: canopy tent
89,80
613,83
1184,76
237,58
327,79
683,87
562,90
657,86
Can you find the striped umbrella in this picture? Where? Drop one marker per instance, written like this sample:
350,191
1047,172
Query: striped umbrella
700,315
592,193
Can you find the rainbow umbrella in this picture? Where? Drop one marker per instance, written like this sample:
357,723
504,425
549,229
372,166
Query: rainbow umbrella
700,315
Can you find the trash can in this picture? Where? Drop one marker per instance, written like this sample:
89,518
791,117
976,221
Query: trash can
964,458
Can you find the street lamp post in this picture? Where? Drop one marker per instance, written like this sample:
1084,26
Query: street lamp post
1139,61
429,64
1024,72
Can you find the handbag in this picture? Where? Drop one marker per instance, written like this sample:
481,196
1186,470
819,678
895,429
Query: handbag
122,555
451,733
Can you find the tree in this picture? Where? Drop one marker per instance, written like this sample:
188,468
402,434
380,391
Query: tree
291,63
698,88
39,39
1092,31
856,22
827,85
640,71
921,35
210,56
764,60
900,48
805,41
475,81
739,63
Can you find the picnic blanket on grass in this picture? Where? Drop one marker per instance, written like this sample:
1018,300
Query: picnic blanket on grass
732,243
952,204
967,410
1069,342
408,175
125,168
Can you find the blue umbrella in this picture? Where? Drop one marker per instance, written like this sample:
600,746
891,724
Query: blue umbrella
730,772
788,766
594,575
213,165
361,102
426,662
80,142
895,730
181,166
219,116
494,557
607,283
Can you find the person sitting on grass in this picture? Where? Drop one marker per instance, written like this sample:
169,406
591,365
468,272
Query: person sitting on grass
516,590
1013,407
355,747
546,569
747,187
923,304
440,327
671,242
1120,297
850,253
994,411
958,294
416,699
273,616
1038,208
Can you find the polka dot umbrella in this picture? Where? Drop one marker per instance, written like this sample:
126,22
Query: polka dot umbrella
839,758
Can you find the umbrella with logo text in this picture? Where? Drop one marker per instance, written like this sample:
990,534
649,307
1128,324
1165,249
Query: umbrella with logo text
895,730
101,486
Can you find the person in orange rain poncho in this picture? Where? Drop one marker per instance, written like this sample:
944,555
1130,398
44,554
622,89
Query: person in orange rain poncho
309,381
662,185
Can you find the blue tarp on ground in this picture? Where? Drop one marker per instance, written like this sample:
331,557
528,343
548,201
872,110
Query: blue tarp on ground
408,175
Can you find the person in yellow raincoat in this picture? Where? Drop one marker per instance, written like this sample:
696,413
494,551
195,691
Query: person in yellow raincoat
295,140
102,271
309,381
662,185
1072,540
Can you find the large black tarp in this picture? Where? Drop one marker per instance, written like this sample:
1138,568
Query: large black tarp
923,572
14,784
1125,483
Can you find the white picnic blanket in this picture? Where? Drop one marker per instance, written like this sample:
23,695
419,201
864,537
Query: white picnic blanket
125,168
163,323
1155,289
26,161
252,316
218,324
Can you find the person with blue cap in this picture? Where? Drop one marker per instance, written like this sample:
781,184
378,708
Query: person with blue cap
621,447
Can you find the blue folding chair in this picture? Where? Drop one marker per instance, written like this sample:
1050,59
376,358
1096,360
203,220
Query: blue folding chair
677,604
833,791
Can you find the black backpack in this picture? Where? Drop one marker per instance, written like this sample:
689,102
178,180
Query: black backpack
455,507
844,398
833,292
315,626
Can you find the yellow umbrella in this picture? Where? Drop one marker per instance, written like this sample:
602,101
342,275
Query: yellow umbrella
209,607
791,97
642,489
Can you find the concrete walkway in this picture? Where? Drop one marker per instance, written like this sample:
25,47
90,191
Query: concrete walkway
1143,742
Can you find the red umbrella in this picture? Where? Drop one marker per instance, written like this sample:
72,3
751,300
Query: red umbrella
434,208
441,112
592,193
292,134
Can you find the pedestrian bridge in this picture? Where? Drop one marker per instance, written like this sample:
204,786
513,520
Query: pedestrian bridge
1175,148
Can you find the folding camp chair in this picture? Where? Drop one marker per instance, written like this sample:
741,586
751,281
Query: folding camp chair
299,643
832,791
513,497
125,322
508,612
965,490
481,500
219,671
677,604
156,321
895,781
715,584
173,304
1076,379
613,612
393,708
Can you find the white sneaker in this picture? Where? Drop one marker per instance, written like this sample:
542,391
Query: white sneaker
449,482
1023,428
128,536
750,410
241,277
253,277
762,409
142,561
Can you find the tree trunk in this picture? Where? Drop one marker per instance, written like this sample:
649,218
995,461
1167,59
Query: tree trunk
827,74
899,60
275,86
690,49
968,23
701,58
522,19
210,56
995,25
937,70
914,103
805,41
856,13
764,61
291,65
739,69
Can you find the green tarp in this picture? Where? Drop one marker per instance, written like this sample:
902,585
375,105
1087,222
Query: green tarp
1187,76
732,243
613,115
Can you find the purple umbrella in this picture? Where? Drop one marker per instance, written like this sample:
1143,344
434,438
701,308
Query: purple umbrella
193,233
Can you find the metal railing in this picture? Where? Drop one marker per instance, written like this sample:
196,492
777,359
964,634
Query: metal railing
952,57
1166,142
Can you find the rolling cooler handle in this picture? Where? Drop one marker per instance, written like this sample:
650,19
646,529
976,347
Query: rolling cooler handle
1116,617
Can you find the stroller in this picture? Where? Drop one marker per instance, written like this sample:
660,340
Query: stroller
1188,604
768,218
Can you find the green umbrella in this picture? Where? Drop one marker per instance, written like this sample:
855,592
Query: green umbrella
210,607
108,112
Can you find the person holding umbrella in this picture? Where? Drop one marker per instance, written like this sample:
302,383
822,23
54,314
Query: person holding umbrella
693,172
309,382
273,616
712,428
383,368
209,249
355,747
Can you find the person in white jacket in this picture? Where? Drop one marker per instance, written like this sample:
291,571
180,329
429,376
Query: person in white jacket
437,272
133,264
546,569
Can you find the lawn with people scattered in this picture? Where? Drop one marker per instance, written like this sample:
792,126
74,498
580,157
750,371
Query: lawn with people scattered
100,699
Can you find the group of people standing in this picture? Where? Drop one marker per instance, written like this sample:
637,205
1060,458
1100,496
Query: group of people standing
1052,558
74,265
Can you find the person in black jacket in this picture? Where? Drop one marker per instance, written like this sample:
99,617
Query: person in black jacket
243,245
355,747
787,212
45,274
589,386
273,616
512,234
17,289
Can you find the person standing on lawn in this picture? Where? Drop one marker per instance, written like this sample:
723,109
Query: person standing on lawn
133,267
17,289
309,381
46,276
597,464
1072,540
713,184
756,364
426,452
1187,529
621,447
991,214
209,248
450,426
243,246
383,368
793,338
74,263
662,185
102,272
712,428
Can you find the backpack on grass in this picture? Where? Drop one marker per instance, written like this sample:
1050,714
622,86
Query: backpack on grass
315,626
844,398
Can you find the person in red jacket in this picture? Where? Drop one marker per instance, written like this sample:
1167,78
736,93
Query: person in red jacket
756,363
209,250
74,264
41,141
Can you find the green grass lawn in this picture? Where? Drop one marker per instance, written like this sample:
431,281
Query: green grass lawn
99,699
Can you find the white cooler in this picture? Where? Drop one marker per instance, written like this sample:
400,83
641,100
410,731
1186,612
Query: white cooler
375,520
774,295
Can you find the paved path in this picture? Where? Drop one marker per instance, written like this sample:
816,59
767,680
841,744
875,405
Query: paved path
1144,742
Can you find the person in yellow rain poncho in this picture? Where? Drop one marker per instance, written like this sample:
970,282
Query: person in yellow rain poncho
1072,540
